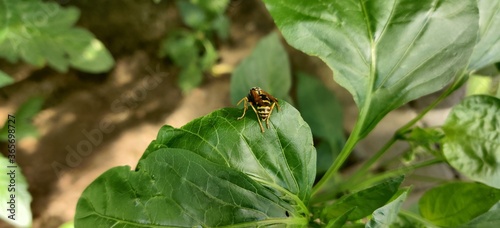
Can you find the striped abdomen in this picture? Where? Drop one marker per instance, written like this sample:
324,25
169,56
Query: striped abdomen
263,111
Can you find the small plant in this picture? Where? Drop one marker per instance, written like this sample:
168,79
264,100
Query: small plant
42,33
193,49
220,171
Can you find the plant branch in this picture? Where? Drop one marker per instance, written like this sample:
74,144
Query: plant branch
395,172
417,218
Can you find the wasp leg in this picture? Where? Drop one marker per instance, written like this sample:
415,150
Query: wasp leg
245,107
258,118
279,108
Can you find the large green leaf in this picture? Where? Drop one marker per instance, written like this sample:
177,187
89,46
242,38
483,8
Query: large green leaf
214,171
14,184
385,53
487,50
267,67
454,204
472,139
365,201
42,33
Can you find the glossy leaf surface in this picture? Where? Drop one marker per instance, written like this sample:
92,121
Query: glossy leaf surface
214,171
385,53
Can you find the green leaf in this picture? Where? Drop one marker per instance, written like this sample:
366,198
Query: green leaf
23,120
366,201
5,79
214,171
325,157
487,50
487,220
472,139
481,84
428,139
42,33
385,53
190,78
322,111
388,214
267,67
210,56
454,204
221,26
215,6
19,190
69,224
181,47
340,221
192,15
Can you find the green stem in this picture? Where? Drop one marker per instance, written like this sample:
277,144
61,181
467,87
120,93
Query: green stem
395,172
368,164
418,219
344,154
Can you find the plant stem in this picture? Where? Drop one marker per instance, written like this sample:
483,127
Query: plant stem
417,218
346,151
395,172
368,164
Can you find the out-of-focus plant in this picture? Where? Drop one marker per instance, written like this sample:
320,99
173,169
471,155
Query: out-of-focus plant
43,33
192,49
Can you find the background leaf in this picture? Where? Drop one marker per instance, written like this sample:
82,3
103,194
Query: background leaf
454,204
214,171
42,33
487,50
385,53
24,120
267,67
322,111
22,200
5,79
472,139
366,201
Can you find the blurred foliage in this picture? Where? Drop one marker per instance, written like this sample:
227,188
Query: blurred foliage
22,217
43,33
192,49
23,120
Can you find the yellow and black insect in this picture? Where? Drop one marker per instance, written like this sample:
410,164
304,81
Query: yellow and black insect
262,104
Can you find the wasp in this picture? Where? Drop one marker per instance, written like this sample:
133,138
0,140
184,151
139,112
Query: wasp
262,104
